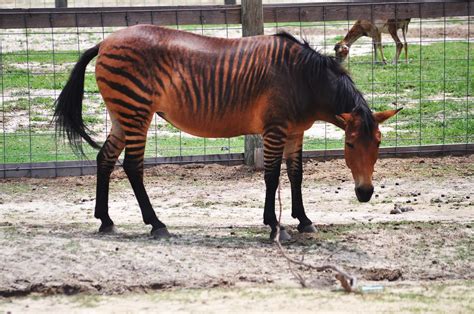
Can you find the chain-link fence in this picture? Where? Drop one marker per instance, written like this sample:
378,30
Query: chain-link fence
39,47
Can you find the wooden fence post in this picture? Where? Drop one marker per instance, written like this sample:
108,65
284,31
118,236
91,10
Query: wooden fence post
60,3
252,25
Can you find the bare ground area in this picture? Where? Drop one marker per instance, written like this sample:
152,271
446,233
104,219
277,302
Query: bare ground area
221,259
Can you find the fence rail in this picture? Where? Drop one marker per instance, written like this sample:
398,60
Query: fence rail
38,47
225,14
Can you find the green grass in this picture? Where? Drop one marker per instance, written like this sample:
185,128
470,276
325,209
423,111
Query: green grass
432,89
21,147
39,57
52,76
434,96
23,103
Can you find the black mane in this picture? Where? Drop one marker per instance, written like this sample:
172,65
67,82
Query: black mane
322,68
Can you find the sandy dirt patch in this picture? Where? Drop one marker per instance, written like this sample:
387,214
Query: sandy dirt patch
50,246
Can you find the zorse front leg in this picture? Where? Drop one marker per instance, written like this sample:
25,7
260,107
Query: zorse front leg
273,144
294,167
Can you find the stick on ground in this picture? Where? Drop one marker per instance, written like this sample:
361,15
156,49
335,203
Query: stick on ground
348,282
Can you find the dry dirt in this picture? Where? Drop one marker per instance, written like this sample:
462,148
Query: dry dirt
221,258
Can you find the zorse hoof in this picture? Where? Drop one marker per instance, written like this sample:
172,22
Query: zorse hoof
107,229
284,236
160,233
307,229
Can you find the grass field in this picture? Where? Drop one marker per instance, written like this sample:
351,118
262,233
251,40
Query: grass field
434,88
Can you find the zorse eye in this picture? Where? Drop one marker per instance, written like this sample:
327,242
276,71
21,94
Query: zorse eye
349,145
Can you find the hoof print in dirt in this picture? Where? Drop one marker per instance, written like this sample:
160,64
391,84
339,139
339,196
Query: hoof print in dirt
110,229
160,233
284,236
307,229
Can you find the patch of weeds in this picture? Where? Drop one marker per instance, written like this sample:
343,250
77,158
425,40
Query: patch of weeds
252,232
9,230
91,119
39,119
168,127
15,105
87,300
464,253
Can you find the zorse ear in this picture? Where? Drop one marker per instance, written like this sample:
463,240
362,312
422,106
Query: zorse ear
342,119
381,116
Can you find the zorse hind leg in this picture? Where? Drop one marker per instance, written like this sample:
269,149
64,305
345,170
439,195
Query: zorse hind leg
273,144
133,166
106,159
294,167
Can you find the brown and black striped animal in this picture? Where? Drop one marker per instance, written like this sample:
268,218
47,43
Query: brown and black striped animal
212,87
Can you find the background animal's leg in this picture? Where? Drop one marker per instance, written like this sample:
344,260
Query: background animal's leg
378,42
392,29
106,159
374,43
404,33
274,139
133,166
294,166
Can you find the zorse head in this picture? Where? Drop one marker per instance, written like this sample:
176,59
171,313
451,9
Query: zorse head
361,150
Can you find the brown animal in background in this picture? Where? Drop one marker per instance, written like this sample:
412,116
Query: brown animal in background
375,30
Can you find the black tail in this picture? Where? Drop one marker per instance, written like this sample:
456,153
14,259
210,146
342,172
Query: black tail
68,112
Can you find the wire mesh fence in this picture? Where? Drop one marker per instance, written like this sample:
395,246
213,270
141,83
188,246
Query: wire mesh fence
27,4
39,48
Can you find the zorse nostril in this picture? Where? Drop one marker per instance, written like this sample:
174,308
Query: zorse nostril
364,193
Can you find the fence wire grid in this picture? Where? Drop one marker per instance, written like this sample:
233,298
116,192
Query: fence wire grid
434,87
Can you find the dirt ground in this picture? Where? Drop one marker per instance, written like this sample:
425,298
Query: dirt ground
220,258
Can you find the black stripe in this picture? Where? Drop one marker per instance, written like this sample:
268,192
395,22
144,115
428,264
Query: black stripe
133,50
132,133
275,134
187,90
135,157
126,91
124,58
134,149
131,142
274,141
112,144
127,75
129,124
220,76
205,86
229,81
161,68
126,105
135,117
195,87
159,81
212,89
117,138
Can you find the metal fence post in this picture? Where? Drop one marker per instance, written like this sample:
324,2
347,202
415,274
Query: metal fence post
252,25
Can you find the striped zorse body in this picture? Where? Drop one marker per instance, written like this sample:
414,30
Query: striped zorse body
210,87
